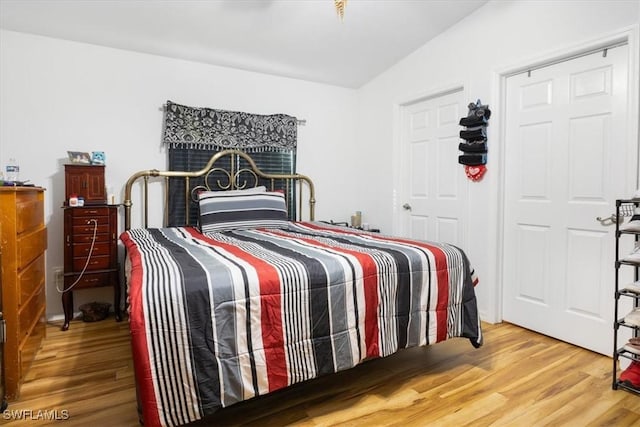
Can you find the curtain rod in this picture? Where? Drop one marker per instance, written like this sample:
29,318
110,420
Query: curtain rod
300,122
602,48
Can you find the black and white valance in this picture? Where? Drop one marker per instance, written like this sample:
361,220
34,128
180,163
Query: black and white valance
193,135
206,128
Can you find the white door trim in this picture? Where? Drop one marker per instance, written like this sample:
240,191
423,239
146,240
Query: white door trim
629,35
398,150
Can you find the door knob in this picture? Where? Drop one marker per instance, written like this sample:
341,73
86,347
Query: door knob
612,219
406,207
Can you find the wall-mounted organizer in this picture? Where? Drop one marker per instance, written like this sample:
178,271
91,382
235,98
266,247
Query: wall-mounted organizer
629,378
474,147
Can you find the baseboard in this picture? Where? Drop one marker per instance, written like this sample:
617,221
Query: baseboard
58,317
76,314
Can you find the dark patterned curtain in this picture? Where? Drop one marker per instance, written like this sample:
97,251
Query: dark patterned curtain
193,135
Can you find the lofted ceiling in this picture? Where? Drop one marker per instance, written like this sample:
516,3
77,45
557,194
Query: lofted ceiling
303,39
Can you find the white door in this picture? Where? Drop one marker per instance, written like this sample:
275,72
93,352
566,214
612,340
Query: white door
435,188
566,161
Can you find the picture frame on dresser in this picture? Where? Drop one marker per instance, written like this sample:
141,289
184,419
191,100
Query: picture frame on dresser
79,157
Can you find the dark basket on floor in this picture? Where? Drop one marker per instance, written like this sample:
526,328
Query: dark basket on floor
94,311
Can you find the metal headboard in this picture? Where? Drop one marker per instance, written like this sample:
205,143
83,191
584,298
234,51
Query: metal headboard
229,169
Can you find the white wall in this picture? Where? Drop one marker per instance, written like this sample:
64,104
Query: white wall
499,35
58,95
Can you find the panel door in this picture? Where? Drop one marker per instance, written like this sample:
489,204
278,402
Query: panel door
435,186
96,191
566,155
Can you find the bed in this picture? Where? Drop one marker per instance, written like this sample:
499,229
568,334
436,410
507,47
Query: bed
226,310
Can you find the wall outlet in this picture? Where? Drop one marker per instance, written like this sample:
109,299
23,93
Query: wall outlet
58,274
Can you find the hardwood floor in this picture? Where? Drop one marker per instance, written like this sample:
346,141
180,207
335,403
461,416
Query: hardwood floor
518,378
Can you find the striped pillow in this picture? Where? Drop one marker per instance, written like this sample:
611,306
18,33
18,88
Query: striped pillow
258,189
234,210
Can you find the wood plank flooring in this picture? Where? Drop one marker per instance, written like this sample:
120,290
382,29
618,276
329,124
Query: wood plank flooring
518,378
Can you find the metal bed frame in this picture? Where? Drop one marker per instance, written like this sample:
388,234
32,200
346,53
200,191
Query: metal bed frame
237,178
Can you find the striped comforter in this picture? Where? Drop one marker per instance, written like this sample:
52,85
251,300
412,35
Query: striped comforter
220,318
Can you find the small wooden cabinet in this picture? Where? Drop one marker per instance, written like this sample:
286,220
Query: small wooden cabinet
90,253
85,181
23,240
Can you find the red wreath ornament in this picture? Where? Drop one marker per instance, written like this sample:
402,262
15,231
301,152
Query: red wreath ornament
475,173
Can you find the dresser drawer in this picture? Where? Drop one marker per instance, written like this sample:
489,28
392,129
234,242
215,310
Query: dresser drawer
88,229
82,249
95,263
30,312
31,345
90,280
29,212
86,221
88,238
30,278
30,246
89,212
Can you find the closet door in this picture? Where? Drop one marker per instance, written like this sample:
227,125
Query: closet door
434,191
567,158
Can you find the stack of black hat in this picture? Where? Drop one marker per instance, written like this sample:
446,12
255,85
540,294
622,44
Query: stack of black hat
474,135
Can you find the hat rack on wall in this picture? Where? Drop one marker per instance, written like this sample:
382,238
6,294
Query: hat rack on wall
474,145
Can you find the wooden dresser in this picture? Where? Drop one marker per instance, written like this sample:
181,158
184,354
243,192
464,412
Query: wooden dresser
23,239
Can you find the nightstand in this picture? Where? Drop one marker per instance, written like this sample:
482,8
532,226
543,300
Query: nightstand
90,254
346,224
90,237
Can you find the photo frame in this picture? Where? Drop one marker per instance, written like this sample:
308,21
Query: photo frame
79,157
98,158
